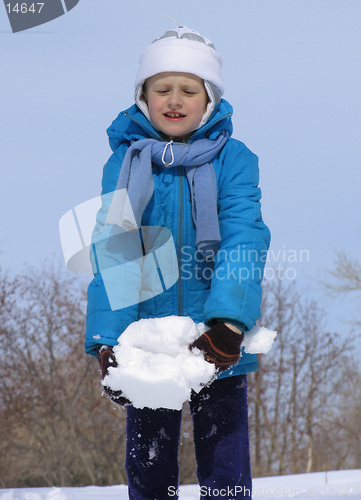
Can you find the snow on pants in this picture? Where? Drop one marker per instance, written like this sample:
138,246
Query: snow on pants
220,427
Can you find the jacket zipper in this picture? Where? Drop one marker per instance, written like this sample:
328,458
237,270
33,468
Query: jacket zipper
179,222
180,304
180,238
180,227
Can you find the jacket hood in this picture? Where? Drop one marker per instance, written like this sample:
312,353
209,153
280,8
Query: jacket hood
132,125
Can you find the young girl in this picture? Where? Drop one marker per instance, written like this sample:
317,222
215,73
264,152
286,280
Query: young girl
174,155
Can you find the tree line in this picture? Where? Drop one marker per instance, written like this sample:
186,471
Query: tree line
57,429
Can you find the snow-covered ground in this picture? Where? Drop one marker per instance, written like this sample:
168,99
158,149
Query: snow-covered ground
343,485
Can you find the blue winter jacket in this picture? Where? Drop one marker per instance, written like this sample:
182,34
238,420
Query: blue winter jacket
229,287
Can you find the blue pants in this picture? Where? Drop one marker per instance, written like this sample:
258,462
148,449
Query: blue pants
220,427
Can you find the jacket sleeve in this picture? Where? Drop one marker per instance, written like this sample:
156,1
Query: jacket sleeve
236,292
115,277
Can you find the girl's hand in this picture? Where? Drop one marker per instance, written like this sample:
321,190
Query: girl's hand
106,359
220,345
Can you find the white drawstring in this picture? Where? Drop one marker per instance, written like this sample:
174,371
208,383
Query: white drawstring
173,21
166,164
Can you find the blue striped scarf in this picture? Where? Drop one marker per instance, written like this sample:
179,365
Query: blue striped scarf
136,177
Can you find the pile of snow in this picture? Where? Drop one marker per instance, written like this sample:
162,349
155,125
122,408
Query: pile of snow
342,485
156,369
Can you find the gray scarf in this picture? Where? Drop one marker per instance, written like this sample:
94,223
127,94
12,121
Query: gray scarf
135,185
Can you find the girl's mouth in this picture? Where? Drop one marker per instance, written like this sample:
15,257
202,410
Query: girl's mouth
174,116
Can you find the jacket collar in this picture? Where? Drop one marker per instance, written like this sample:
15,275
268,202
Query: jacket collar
132,125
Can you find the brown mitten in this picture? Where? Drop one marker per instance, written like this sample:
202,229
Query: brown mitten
220,346
106,359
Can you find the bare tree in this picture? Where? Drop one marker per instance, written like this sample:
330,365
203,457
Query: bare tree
295,395
56,427
345,277
344,280
59,429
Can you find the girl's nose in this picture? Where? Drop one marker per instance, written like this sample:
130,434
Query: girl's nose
175,99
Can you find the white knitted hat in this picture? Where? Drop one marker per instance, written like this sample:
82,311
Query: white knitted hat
186,51
182,50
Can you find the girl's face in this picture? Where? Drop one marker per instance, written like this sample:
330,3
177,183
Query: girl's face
176,102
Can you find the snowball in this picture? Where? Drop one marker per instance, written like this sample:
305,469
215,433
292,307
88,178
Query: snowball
156,369
259,340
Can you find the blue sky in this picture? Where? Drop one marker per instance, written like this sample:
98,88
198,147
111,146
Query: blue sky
292,72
